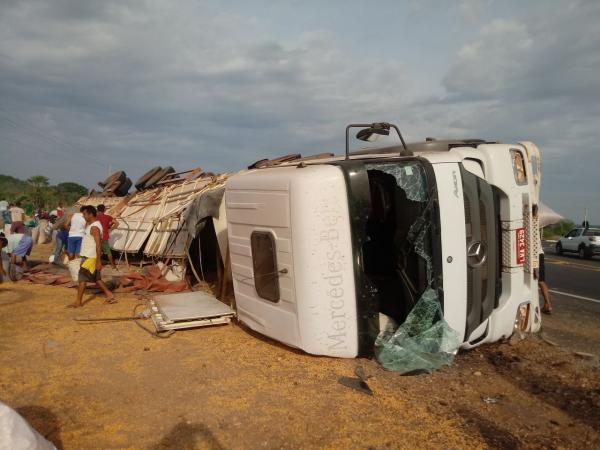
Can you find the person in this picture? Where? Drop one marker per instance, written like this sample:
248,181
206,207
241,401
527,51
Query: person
17,215
62,236
60,210
91,261
6,220
76,225
540,272
547,309
15,245
108,223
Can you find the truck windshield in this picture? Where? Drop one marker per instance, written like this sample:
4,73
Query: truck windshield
399,246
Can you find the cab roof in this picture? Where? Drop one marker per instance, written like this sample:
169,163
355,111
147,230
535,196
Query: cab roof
428,146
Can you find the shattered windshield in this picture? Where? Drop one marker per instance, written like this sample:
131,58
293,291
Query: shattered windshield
400,223
398,258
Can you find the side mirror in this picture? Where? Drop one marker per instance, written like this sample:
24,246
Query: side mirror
372,134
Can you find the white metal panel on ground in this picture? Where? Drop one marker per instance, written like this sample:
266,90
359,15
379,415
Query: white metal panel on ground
188,310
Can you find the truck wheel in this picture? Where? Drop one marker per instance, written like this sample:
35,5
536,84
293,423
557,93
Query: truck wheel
583,253
141,182
123,189
559,250
117,176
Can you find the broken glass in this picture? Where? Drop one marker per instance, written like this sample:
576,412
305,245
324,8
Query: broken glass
410,176
423,343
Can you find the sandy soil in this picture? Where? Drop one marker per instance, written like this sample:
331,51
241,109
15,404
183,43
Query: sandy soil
112,385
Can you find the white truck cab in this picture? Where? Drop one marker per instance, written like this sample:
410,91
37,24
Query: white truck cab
322,248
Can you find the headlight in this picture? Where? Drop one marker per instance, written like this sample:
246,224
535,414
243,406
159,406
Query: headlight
522,318
519,166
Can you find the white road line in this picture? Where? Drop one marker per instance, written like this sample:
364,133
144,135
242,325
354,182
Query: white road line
575,296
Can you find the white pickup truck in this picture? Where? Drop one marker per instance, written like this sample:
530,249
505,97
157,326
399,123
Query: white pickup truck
322,248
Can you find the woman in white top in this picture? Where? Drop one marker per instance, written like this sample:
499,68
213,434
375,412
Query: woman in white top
91,258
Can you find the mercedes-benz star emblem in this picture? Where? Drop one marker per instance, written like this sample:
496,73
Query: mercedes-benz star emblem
476,253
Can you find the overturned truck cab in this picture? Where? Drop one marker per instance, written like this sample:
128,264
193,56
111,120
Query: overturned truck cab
324,252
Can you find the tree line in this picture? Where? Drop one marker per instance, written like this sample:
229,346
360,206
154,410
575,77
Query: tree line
38,191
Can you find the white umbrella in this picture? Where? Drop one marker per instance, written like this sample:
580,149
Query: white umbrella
548,216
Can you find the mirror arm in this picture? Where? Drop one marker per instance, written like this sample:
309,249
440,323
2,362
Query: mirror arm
353,125
400,136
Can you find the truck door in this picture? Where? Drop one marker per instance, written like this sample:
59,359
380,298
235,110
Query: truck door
573,240
258,216
291,257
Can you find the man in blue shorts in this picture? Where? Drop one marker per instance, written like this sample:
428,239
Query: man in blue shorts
76,225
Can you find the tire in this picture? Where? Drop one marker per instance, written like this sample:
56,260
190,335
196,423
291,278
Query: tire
141,182
112,187
117,176
123,189
159,176
583,252
559,249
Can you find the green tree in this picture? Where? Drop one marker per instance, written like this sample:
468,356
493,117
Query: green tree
39,190
69,192
559,229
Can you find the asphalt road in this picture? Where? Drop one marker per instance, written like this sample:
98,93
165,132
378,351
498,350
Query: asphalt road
569,274
575,294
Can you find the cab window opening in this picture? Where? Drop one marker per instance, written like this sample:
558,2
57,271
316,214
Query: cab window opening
264,264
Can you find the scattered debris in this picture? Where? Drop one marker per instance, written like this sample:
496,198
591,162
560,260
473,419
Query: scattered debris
360,373
150,279
548,341
491,400
357,384
15,272
584,355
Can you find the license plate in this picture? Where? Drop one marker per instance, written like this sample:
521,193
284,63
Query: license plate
521,245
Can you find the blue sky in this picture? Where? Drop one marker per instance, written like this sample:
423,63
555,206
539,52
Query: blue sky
133,84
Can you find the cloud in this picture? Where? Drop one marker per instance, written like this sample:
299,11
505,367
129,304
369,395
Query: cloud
536,78
134,84
183,85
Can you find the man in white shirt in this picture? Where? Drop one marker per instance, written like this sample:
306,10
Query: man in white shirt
91,258
76,225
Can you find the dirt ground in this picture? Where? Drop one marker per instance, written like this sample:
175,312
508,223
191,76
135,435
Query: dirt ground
112,385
